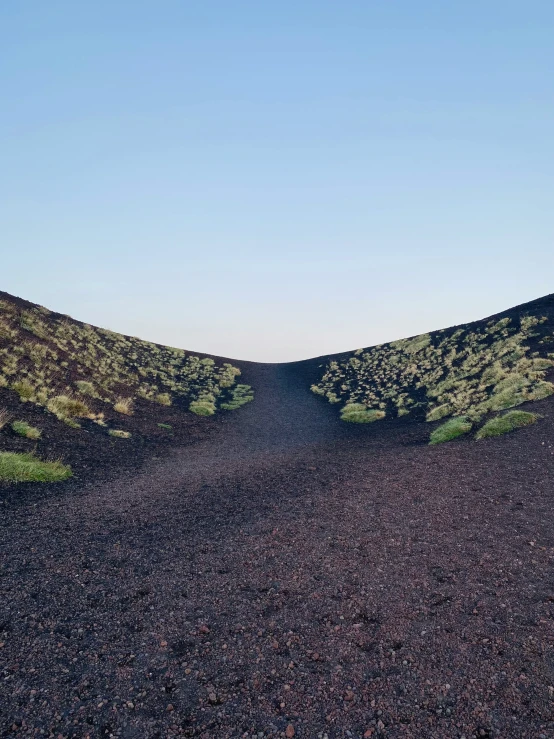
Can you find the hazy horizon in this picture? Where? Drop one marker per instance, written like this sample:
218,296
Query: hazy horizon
273,183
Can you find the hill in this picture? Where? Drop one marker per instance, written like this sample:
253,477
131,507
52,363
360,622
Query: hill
468,374
76,391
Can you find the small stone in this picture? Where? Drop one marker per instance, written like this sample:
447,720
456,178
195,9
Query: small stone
368,734
163,643
289,733
212,698
170,707
204,629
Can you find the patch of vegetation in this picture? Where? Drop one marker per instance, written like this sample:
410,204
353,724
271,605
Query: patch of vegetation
67,408
166,426
452,373
86,388
359,413
24,389
505,423
452,429
119,434
22,428
4,417
16,467
240,395
36,347
124,405
204,406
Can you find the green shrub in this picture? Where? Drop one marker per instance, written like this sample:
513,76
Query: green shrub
24,389
119,434
453,428
506,423
202,407
166,426
439,412
540,391
241,395
66,407
124,405
4,417
22,428
28,468
359,413
163,398
86,388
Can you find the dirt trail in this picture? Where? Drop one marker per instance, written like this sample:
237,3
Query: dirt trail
291,574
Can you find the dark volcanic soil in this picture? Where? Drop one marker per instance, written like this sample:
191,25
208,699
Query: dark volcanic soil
288,576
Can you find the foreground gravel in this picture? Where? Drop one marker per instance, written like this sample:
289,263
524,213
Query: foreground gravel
289,577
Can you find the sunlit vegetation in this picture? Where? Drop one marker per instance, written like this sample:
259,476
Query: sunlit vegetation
505,423
22,428
458,374
16,467
69,368
451,429
359,413
124,405
240,395
119,434
204,406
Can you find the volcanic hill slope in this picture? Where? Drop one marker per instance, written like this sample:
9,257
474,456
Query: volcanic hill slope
277,571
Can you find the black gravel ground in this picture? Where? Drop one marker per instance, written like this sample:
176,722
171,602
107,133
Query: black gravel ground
288,576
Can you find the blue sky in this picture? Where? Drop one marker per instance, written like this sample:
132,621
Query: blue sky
277,180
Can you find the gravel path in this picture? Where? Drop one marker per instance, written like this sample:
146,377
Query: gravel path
290,577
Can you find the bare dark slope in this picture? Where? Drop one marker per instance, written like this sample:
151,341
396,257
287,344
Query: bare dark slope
290,573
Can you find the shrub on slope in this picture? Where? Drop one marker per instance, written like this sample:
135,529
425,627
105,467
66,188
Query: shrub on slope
505,423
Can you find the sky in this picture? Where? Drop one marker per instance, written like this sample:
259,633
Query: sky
277,180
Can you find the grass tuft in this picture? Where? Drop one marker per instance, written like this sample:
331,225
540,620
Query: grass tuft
124,405
359,413
24,389
506,423
452,429
16,467
66,408
22,428
86,388
119,434
204,406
